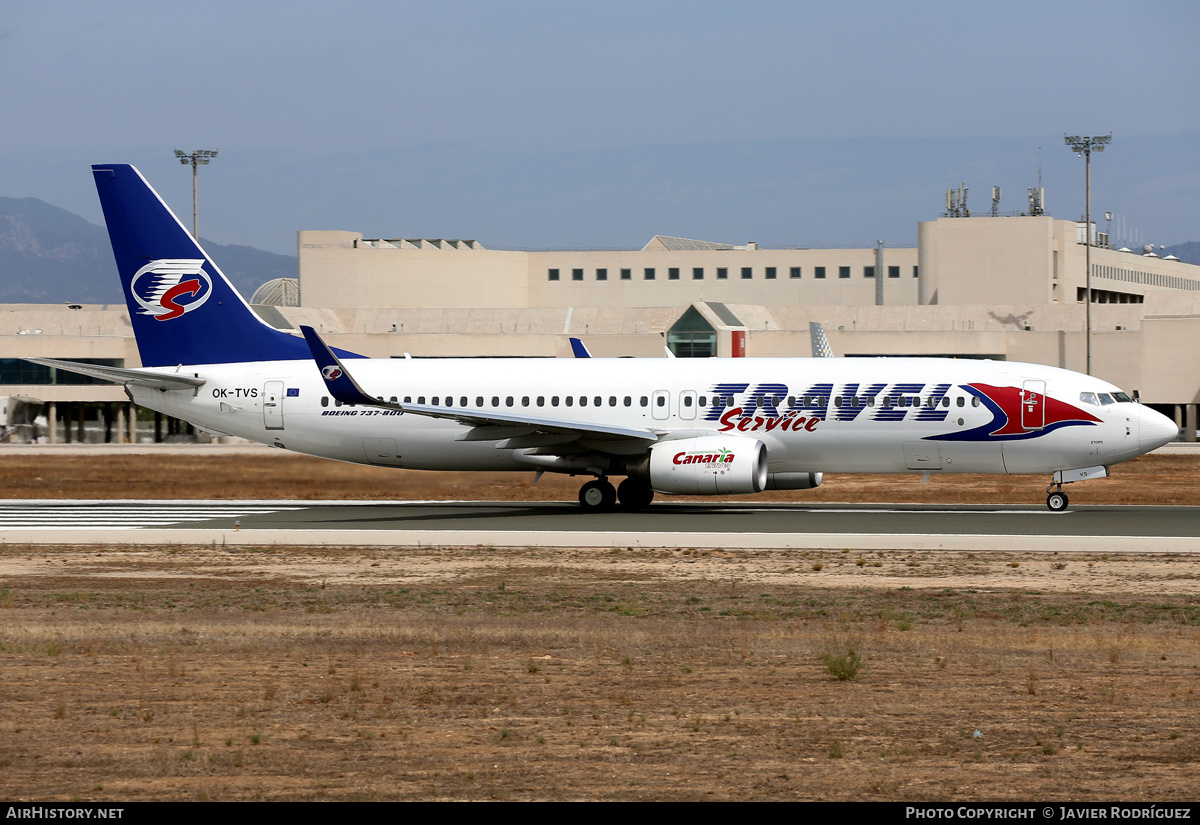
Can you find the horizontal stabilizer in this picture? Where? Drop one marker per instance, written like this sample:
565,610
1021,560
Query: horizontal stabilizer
118,375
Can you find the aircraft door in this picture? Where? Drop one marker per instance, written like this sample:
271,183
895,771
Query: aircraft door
687,404
660,405
273,405
1033,405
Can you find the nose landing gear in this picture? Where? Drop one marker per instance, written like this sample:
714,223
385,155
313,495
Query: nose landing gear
1056,499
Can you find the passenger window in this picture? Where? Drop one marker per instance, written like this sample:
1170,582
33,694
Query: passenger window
524,400
628,401
645,401
392,399
583,400
408,399
508,402
612,401
962,402
541,400
974,400
462,402
597,401
479,401
703,401
870,401
324,400
661,401
554,401
420,399
436,400
495,401
945,401
570,400
687,401
837,401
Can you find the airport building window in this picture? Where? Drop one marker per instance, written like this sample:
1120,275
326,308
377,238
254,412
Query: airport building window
747,272
770,274
673,273
722,273
697,273
552,274
843,272
626,274
914,271
893,272
648,273
794,272
601,274
819,273
576,274
868,272
16,371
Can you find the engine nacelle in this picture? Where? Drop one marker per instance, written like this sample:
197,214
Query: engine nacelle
794,481
709,465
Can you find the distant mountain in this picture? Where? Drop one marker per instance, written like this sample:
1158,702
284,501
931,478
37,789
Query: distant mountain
1187,252
50,255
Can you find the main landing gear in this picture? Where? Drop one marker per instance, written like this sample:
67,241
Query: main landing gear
599,495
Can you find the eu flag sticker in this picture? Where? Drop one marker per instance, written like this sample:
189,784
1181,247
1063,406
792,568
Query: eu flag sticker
293,392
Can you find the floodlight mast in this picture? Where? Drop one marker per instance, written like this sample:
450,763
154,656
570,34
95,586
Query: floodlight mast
198,158
1084,146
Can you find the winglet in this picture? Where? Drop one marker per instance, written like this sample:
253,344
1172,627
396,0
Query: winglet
338,380
578,347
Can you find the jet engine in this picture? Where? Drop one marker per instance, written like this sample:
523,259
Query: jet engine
709,465
794,481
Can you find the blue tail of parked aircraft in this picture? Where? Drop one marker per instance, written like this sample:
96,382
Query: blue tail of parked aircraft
183,309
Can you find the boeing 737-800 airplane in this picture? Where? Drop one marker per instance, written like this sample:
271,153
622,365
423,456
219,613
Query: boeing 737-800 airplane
683,426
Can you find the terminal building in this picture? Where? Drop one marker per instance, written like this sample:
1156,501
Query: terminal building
1004,288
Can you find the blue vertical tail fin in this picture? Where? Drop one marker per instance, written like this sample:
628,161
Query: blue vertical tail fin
183,309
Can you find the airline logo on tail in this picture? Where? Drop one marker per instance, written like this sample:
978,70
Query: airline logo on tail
168,288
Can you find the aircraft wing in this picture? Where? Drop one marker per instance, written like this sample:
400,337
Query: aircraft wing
119,375
344,388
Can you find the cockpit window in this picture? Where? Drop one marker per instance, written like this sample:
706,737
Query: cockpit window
1120,396
1106,399
1089,398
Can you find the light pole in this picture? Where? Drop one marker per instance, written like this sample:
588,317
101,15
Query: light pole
198,158
1084,146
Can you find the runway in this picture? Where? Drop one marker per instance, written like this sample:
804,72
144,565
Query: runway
1101,528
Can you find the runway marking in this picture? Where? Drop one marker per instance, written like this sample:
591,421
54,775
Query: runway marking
80,516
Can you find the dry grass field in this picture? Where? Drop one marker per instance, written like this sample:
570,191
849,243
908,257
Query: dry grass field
143,673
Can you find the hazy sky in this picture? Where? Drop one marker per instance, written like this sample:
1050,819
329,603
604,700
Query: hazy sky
578,124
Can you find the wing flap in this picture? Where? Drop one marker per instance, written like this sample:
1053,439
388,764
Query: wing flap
344,388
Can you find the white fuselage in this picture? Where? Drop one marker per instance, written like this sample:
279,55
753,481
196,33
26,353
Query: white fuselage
813,415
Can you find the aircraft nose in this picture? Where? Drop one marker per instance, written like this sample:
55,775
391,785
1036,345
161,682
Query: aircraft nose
1156,429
